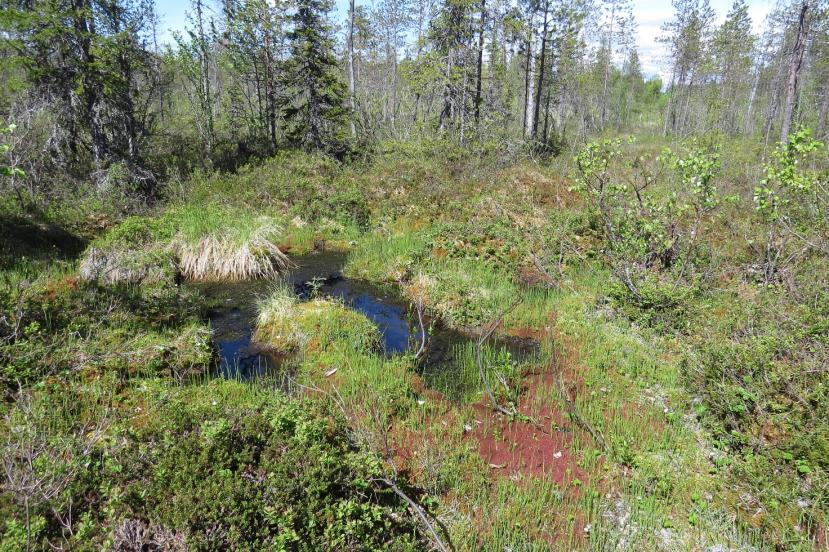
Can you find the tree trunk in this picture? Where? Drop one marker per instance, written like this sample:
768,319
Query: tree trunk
670,107
607,65
90,96
206,94
528,82
351,81
479,76
448,99
541,66
795,63
748,128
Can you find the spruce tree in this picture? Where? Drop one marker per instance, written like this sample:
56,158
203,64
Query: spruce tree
313,101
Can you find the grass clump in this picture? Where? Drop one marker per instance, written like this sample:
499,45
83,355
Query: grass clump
290,325
217,243
133,252
194,242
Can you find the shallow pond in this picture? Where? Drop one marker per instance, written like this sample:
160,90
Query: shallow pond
233,316
233,319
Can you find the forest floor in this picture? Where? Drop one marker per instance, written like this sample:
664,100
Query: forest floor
583,433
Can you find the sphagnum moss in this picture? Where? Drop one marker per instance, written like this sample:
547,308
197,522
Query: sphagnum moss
290,325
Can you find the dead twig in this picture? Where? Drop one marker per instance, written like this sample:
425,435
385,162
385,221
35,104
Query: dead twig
480,362
386,479
576,416
418,304
417,509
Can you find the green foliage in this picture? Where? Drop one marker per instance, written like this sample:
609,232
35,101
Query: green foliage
790,190
791,203
6,169
223,466
271,474
649,214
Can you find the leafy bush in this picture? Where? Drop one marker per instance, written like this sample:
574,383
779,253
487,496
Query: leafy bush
793,204
650,214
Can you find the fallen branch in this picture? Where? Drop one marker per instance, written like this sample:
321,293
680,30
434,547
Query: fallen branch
386,480
576,416
417,509
479,360
423,336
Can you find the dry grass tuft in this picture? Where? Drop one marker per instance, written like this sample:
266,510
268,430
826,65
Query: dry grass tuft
229,256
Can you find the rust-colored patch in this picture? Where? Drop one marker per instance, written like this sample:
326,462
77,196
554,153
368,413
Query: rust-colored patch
522,448
530,276
539,446
54,288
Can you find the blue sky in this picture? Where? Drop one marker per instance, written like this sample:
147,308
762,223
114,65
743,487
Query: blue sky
650,14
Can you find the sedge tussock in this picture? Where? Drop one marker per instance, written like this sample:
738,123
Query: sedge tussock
229,256
287,324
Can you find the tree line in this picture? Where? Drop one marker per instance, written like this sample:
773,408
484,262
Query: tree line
93,90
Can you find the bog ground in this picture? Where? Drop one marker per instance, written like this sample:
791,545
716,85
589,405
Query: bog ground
456,366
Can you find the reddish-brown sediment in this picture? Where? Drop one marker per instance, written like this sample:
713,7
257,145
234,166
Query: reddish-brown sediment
530,276
513,447
539,445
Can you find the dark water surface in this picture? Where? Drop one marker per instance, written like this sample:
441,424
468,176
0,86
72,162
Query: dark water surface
233,318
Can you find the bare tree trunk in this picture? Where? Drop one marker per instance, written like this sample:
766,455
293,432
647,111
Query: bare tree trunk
394,91
795,63
670,107
206,94
351,81
607,65
749,122
540,71
448,98
480,63
528,82
270,96
774,100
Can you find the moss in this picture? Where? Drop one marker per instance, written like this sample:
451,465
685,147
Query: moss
316,325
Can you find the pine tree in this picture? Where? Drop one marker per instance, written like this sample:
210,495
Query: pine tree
85,59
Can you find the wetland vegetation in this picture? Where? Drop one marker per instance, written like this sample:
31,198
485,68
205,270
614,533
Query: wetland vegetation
359,321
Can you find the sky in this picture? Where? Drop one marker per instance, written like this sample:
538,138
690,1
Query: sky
650,15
